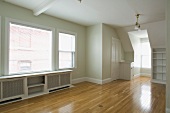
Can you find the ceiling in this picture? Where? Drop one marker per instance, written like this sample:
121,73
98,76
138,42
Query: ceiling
117,13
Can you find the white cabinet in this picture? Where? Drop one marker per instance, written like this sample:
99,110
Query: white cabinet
159,65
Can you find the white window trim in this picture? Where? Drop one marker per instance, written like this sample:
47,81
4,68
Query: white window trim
29,24
57,43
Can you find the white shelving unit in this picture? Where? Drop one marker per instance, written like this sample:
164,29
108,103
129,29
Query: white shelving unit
159,65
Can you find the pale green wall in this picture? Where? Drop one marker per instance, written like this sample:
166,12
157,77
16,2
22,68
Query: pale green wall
108,33
129,56
168,55
98,51
94,52
15,12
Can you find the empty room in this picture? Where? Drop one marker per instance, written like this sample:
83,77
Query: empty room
84,56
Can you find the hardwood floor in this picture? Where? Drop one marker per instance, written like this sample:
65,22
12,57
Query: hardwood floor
136,96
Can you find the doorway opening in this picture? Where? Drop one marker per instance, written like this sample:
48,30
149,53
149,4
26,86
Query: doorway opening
142,53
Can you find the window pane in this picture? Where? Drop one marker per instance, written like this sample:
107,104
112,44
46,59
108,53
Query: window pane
66,42
146,50
29,49
65,60
146,61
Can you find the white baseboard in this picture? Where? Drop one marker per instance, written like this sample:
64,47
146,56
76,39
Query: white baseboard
145,74
92,80
137,75
78,80
167,110
106,80
157,81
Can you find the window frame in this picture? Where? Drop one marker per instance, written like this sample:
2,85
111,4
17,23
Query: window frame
75,53
0,49
7,43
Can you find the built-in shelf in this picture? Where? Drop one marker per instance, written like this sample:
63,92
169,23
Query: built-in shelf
31,85
34,80
35,85
159,65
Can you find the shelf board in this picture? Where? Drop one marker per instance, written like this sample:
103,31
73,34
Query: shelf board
159,72
159,58
159,65
159,52
36,85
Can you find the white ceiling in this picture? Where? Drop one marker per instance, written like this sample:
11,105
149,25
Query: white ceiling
117,13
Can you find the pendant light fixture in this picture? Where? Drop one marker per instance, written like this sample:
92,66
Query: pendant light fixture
137,25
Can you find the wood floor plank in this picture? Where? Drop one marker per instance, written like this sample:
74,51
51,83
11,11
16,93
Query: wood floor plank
136,96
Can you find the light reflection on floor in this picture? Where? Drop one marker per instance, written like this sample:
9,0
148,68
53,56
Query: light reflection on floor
145,98
66,109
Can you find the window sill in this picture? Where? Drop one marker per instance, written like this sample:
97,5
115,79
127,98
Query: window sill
33,74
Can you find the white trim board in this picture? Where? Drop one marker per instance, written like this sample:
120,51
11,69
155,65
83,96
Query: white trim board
92,80
167,110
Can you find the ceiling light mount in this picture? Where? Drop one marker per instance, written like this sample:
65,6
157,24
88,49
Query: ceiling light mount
137,25
80,1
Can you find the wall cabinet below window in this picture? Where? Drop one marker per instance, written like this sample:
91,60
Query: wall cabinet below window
18,87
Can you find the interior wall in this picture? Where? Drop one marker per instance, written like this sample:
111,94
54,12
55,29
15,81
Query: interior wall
168,55
136,44
108,33
129,56
19,13
94,52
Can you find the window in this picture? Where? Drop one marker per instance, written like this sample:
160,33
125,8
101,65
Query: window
66,50
146,54
30,49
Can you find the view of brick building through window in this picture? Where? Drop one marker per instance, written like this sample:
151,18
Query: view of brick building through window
29,49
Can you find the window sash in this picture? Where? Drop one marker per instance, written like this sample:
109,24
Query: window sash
72,60
7,44
148,62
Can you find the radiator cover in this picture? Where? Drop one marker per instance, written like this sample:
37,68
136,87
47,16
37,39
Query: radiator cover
12,88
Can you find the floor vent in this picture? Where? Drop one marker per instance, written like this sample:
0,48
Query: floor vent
53,90
11,100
